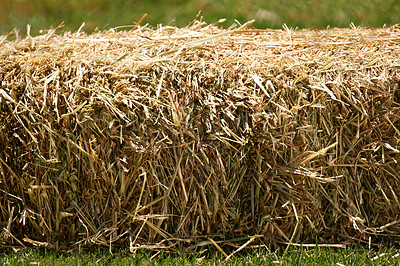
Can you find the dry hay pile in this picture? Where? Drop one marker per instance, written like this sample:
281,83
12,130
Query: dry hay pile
197,136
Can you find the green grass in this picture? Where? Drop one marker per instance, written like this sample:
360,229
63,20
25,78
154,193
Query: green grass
43,14
294,256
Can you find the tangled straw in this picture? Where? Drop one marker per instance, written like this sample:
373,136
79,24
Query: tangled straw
197,136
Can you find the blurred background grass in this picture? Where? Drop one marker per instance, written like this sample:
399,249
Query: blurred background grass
104,14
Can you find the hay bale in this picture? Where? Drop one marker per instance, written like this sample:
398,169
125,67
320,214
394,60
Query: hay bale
168,137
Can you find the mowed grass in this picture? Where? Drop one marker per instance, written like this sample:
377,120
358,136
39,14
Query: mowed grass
294,256
104,14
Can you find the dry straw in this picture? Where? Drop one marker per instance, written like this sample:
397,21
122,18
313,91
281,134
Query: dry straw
200,137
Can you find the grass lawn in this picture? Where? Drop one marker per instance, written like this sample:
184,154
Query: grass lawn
294,256
43,14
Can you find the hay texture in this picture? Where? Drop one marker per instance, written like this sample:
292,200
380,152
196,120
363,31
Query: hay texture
200,137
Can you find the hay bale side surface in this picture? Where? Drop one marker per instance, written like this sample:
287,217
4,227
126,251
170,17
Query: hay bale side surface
152,138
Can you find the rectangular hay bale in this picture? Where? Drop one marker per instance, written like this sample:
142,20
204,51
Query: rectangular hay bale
155,137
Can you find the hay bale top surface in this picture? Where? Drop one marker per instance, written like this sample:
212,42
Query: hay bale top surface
126,51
